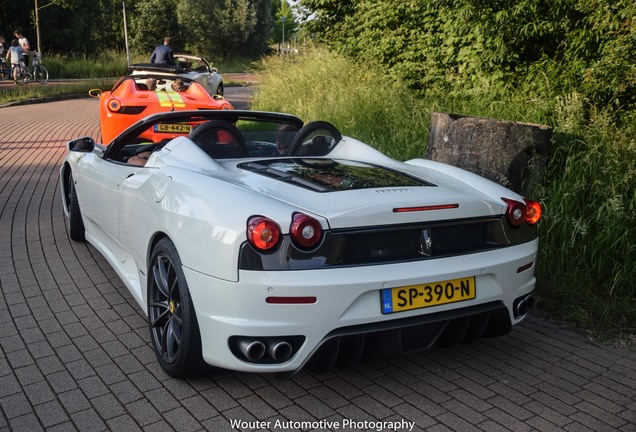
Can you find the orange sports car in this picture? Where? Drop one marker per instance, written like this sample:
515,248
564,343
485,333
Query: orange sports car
135,97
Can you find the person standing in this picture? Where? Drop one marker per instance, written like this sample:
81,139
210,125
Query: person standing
163,53
3,65
15,52
24,44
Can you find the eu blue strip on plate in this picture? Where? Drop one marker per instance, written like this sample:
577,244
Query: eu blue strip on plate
387,301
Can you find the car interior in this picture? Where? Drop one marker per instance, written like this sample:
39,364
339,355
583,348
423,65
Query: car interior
219,140
222,139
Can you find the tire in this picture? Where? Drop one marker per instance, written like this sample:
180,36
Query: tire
219,90
20,75
74,222
174,331
41,74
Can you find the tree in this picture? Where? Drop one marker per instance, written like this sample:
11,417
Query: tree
324,16
87,27
82,26
258,42
13,16
152,21
282,9
67,26
224,27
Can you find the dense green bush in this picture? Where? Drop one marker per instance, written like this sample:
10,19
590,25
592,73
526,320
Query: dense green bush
471,46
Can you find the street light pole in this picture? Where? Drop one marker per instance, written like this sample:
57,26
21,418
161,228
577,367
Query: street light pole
282,20
37,23
123,6
37,26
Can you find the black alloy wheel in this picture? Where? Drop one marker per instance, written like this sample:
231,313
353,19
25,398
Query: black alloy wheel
174,330
74,222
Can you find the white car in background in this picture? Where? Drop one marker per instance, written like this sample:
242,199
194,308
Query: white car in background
189,66
262,244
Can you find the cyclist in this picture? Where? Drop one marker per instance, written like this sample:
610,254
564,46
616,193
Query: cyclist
3,64
15,52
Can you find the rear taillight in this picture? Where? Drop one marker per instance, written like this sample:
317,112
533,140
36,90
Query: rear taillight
263,233
114,105
518,212
305,231
515,212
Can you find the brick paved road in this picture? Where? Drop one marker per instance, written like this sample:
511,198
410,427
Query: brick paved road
75,354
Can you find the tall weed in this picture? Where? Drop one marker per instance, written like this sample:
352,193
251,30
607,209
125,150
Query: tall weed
586,270
361,101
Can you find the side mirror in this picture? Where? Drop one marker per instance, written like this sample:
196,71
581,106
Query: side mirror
95,93
84,145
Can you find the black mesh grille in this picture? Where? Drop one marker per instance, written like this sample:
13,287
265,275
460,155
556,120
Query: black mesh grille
132,109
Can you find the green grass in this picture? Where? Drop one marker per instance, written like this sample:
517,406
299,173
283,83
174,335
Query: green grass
33,90
586,269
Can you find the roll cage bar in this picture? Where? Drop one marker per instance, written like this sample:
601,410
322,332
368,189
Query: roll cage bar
231,116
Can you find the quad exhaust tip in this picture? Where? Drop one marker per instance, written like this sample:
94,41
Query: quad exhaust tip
253,350
266,350
279,350
523,305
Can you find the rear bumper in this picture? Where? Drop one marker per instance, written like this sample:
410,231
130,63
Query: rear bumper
346,316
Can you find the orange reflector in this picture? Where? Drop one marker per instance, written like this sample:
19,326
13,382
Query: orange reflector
533,212
291,300
425,208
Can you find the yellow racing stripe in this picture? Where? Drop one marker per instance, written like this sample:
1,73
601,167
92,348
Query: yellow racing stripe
168,99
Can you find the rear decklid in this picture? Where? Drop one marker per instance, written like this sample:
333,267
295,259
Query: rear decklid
354,194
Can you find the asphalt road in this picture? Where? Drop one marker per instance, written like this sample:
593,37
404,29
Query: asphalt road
75,351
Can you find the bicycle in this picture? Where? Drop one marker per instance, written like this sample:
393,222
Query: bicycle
5,70
22,73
